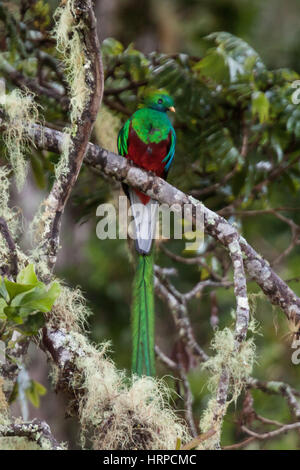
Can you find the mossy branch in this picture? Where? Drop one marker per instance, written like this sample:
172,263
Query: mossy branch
115,412
118,168
36,431
4,230
77,40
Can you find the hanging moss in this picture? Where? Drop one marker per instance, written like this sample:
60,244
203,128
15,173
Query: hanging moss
3,405
116,412
13,218
238,364
70,310
70,45
69,40
21,112
18,443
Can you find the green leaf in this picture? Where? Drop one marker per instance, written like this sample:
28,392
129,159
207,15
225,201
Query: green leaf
34,392
237,48
13,288
32,324
14,394
28,276
260,106
3,291
297,129
205,274
39,299
40,388
178,443
111,46
12,315
214,66
3,304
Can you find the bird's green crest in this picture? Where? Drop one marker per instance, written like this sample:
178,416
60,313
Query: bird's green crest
157,99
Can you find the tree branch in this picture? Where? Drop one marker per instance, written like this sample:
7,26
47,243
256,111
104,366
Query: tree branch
26,83
37,431
13,271
117,167
271,434
65,181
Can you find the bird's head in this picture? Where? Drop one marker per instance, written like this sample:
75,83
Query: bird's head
159,100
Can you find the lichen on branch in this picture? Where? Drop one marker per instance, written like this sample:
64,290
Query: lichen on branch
115,412
68,35
76,36
20,113
229,368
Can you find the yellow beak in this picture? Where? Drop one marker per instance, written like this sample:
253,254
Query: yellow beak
171,108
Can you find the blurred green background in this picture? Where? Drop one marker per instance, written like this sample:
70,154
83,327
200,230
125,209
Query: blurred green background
270,26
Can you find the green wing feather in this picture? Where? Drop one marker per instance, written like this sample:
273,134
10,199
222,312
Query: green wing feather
143,359
169,158
123,139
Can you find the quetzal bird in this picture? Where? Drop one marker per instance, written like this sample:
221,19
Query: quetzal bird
148,139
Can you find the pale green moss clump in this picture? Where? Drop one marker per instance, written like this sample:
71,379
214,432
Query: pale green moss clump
70,310
11,215
238,364
62,168
3,405
115,412
21,112
70,45
120,413
13,218
42,221
18,443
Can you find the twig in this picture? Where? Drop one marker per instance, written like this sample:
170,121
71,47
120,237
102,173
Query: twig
188,402
165,359
178,310
231,239
198,260
201,438
11,246
37,431
279,388
30,84
271,434
188,396
240,445
200,286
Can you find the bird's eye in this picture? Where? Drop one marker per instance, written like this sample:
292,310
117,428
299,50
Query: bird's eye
160,101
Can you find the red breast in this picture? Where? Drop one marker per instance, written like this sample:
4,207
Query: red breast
148,156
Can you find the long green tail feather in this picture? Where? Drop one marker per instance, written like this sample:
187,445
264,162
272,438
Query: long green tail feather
143,359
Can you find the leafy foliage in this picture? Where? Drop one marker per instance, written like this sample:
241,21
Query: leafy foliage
220,98
23,303
33,392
